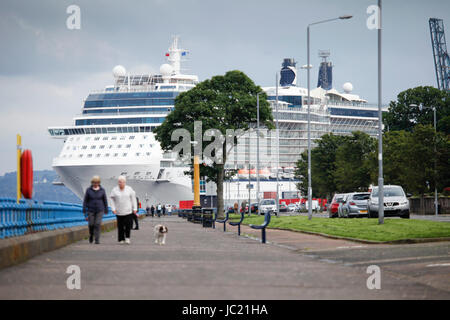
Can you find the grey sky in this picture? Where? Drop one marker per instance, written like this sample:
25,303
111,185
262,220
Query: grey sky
47,70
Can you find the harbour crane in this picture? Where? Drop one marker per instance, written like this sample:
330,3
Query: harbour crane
440,53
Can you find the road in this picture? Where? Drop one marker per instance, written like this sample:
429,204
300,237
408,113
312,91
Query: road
199,263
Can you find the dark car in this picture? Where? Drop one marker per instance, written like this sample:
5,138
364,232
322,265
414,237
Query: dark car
242,209
254,208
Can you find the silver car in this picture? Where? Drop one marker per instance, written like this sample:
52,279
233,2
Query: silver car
355,205
395,202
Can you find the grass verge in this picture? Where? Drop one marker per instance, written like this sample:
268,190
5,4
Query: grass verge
363,228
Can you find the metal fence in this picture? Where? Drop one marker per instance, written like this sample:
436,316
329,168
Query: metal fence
28,216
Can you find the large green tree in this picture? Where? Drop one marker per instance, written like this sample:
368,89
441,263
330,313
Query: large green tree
224,102
402,116
395,157
323,166
354,164
409,159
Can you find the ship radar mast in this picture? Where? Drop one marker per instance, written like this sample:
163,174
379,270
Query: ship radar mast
325,79
175,54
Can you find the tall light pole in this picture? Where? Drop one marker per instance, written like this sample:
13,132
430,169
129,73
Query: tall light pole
309,108
435,165
380,131
278,145
257,149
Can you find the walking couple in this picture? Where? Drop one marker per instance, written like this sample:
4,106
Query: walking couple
123,205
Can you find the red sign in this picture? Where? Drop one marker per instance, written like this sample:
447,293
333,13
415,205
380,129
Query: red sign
26,174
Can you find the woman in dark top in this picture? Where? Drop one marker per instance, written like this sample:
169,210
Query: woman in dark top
95,204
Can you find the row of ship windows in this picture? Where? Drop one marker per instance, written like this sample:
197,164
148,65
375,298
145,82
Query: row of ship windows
107,155
128,110
129,103
109,147
85,122
125,95
62,132
107,138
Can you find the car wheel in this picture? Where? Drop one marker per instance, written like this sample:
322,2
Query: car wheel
372,214
405,216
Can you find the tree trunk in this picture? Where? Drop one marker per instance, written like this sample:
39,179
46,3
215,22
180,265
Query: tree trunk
220,175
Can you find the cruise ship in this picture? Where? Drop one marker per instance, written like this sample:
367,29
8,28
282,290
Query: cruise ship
113,135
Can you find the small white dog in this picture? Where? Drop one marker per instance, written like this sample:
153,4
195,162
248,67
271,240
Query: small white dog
160,232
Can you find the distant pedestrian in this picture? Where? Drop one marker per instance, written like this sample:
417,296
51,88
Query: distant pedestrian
158,210
169,210
95,204
147,211
152,209
135,217
124,206
164,209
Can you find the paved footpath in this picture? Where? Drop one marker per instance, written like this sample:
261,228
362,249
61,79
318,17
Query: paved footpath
203,263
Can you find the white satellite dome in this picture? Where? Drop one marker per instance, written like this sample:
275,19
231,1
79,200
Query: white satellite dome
119,71
348,87
166,69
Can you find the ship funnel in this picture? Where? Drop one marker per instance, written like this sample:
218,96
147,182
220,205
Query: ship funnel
288,73
325,79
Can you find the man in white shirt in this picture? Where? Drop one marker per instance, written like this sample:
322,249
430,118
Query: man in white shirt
124,206
159,210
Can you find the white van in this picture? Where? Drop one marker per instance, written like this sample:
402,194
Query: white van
267,205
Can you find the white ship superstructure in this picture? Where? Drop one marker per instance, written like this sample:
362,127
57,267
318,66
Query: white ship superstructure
331,111
114,135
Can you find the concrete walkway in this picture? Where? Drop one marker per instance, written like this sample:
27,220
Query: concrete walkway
199,263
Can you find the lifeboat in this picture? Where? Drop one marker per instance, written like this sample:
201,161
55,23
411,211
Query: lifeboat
264,174
252,173
243,174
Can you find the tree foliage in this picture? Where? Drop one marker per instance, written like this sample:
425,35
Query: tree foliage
402,116
222,102
353,163
411,147
323,166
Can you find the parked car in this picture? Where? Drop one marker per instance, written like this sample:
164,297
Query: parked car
333,207
246,209
355,204
283,207
396,203
292,207
267,205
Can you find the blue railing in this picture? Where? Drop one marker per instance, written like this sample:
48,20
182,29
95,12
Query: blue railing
29,216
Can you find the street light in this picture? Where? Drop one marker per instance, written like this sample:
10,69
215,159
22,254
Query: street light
278,144
257,149
380,130
421,106
308,67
